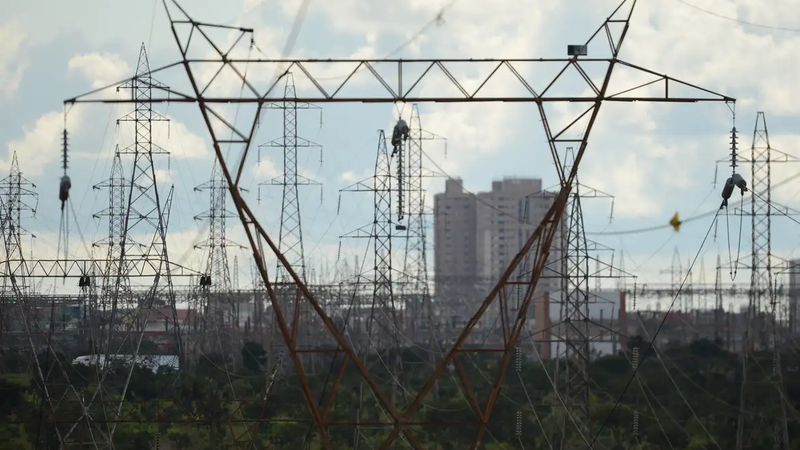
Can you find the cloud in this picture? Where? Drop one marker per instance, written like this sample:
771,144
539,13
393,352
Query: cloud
167,132
100,69
164,177
171,135
12,39
41,143
265,170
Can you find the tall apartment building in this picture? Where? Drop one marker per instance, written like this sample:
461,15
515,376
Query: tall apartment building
454,240
477,236
500,226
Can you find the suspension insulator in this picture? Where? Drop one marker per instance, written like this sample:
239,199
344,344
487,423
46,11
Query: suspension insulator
727,190
739,182
63,190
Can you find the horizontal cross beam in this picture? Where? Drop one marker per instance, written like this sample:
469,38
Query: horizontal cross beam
76,268
402,80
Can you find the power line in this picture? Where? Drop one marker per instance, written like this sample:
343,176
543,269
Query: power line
651,344
739,21
740,204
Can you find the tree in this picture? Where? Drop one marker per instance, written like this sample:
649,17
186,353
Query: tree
254,357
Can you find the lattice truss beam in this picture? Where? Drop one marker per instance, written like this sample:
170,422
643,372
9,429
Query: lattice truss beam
539,81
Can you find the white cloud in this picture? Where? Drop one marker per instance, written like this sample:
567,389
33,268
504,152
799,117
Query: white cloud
164,176
100,69
348,176
12,39
41,143
172,136
265,170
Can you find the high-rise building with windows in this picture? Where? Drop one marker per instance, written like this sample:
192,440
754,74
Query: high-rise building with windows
476,236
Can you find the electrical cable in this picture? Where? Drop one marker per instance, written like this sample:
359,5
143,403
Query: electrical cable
734,269
743,22
690,219
651,344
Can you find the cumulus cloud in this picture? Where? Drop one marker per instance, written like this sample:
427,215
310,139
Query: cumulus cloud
100,69
265,170
41,142
12,39
171,135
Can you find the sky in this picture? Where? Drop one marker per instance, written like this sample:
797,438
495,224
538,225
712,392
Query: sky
655,159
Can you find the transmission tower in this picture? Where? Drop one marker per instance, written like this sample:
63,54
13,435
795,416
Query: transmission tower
19,196
146,215
382,307
575,313
220,307
379,330
290,240
116,185
415,287
759,327
401,87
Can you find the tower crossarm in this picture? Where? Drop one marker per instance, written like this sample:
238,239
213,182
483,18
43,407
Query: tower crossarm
141,267
401,88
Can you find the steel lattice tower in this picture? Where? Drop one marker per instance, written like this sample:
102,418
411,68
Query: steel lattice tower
415,285
760,327
18,196
382,308
760,220
409,422
290,241
116,184
575,311
379,330
145,215
217,265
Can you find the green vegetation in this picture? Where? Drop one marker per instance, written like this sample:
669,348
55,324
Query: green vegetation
686,399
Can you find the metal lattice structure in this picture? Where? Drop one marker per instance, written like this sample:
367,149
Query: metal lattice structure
399,419
290,240
416,289
762,299
761,219
116,185
290,234
146,214
19,196
382,320
575,317
218,283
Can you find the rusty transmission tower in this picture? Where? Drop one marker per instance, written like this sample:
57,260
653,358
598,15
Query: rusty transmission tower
594,73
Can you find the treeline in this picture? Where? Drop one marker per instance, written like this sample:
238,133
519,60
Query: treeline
683,397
